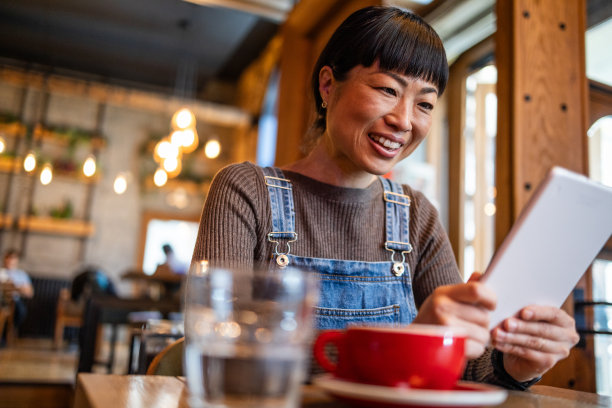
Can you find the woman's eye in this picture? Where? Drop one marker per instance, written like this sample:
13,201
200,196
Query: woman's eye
389,91
426,105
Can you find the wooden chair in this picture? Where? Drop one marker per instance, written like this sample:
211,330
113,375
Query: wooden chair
7,310
169,361
6,321
68,314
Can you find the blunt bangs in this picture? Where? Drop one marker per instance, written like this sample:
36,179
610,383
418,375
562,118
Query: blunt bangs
416,51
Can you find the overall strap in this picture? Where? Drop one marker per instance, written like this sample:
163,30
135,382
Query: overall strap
397,223
283,212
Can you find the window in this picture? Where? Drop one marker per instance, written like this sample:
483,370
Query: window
179,234
479,191
600,169
598,68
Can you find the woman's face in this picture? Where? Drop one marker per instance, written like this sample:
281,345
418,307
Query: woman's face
375,118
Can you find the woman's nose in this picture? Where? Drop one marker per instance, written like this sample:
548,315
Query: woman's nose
401,117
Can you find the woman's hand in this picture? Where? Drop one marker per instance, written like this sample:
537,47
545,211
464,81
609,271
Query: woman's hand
465,305
534,340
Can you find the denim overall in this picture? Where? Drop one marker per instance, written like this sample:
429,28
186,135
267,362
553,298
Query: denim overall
370,293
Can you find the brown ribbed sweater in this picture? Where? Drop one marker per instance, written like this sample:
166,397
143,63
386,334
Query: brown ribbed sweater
331,222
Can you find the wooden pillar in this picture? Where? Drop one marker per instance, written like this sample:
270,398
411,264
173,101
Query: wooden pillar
542,92
542,116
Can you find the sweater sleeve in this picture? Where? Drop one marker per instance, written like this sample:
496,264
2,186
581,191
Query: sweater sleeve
435,263
232,218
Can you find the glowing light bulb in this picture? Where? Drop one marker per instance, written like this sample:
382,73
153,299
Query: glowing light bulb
490,209
46,174
160,177
212,149
167,150
120,184
190,140
2,144
189,137
170,164
89,167
183,119
29,163
177,138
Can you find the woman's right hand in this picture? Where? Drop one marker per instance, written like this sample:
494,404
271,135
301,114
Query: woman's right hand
464,305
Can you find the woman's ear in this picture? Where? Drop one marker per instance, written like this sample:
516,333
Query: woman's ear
326,82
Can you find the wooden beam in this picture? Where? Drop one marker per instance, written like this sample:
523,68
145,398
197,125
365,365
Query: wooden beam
221,115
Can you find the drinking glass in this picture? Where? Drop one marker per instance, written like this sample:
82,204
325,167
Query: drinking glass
247,334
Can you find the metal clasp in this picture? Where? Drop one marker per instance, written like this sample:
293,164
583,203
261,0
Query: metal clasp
282,259
398,266
270,182
392,200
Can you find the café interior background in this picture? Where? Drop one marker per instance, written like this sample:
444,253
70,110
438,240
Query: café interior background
104,79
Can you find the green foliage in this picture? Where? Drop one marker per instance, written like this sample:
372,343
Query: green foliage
62,212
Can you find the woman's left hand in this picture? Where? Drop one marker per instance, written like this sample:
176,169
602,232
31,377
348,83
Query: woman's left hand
534,340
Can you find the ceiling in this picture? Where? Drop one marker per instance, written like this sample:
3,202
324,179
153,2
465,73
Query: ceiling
150,44
155,44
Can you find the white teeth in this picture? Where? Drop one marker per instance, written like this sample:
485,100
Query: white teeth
386,142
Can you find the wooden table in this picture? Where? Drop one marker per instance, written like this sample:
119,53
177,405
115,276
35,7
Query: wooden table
126,391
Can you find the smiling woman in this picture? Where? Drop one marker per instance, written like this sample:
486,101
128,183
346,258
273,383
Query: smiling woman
378,246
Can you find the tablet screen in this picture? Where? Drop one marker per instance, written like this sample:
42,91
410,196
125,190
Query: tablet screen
558,234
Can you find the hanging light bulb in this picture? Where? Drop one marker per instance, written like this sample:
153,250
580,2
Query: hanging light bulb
190,140
212,149
89,167
183,119
177,138
29,163
2,144
172,166
160,177
120,184
164,149
46,174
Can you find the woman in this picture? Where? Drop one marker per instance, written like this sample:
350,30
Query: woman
379,248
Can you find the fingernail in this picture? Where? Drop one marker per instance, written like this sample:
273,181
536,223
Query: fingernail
511,325
527,314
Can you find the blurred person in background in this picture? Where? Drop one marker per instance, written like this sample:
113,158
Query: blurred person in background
15,283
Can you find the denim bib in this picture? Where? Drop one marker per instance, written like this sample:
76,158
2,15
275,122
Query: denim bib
352,292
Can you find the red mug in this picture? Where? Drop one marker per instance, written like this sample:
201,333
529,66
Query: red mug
413,356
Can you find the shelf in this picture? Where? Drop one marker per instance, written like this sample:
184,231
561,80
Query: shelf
12,165
12,129
48,225
6,221
76,176
9,164
63,139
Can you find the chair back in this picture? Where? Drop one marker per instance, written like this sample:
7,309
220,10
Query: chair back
169,361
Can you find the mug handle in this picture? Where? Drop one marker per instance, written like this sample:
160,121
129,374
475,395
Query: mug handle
334,337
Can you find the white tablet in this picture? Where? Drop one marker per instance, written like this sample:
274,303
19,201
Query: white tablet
556,237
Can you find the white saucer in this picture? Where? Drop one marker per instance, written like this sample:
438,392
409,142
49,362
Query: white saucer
467,394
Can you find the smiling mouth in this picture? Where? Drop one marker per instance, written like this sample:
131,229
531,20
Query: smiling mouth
386,143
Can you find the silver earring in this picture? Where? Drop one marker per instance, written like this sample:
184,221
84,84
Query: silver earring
324,105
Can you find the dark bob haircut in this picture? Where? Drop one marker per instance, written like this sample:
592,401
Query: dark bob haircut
398,39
